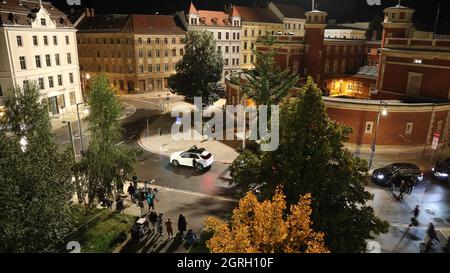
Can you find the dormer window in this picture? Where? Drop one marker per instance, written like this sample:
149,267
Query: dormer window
202,20
214,21
43,22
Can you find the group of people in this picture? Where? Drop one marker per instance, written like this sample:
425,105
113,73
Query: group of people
405,187
430,234
156,220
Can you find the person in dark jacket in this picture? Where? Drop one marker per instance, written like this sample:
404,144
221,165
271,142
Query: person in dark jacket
182,224
415,213
131,191
152,218
169,228
159,224
403,189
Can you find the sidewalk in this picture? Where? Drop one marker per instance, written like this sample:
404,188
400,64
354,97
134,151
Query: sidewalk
224,151
72,116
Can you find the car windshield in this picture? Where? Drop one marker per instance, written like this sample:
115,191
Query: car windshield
206,156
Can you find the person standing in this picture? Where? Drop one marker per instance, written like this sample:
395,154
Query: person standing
182,224
430,235
411,185
152,218
150,201
169,228
402,189
415,213
131,191
159,223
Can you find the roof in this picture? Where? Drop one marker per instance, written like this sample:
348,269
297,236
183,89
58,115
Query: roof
221,18
104,23
137,23
12,13
368,71
192,8
257,14
235,12
155,24
291,11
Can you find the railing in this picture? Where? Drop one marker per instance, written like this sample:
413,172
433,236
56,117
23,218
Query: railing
418,43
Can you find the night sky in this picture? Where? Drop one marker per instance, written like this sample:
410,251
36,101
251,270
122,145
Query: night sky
342,10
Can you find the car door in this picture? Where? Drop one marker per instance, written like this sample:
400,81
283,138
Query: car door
185,159
193,157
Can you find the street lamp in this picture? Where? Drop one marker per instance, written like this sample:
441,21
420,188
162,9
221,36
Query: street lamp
84,78
69,127
382,111
79,128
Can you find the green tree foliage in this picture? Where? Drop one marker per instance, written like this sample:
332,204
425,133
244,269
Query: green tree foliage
267,84
375,26
200,68
35,179
105,165
311,159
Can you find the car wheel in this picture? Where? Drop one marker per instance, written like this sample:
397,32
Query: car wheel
175,163
199,167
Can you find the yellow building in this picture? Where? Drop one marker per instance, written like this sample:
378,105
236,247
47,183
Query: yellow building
138,53
256,22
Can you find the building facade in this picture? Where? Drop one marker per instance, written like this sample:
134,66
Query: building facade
226,29
138,53
293,18
38,44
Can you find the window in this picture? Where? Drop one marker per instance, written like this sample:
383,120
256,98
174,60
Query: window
57,59
166,67
226,49
181,51
60,81
252,45
166,41
35,41
67,40
237,49
335,66
409,128
245,33
245,59
150,68
245,45
50,82
71,77
238,36
157,54
233,62
174,40
140,41
158,68
327,66
46,40
174,52
41,83
414,81
149,40
43,22
19,41
166,53
226,61
234,36
69,58
227,36
252,58
219,35
343,66
439,126
38,61
141,68
72,98
23,64
369,127
233,49
253,32
55,40
157,40
149,54
141,53
219,49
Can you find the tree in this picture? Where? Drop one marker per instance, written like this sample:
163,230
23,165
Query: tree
106,165
263,227
267,84
375,26
200,68
35,177
311,159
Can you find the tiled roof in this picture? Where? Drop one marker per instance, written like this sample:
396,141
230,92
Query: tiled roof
156,24
22,13
104,23
256,14
291,11
214,18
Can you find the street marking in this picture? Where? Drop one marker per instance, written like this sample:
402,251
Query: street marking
194,193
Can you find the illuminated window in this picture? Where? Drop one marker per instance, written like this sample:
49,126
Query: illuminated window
409,127
369,127
417,61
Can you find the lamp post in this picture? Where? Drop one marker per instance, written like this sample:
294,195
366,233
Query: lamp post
79,128
69,127
85,77
381,111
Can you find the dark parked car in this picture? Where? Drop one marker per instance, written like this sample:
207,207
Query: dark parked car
442,170
397,172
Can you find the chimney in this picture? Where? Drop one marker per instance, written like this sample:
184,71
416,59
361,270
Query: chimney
92,13
87,13
374,35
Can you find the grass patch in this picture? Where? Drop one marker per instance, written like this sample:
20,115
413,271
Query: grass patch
100,230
